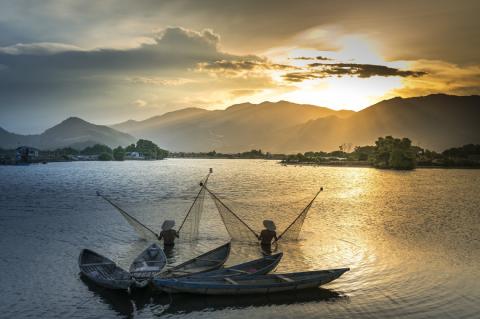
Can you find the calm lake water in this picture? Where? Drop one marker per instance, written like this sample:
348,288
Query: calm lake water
411,239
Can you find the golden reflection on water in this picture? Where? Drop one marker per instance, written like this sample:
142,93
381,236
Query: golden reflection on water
410,238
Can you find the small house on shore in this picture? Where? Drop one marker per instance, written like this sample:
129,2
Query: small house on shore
26,154
134,156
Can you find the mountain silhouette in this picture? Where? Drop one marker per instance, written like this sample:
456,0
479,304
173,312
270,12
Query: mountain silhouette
435,122
237,128
73,132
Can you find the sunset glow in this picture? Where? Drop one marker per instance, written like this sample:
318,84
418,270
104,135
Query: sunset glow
168,60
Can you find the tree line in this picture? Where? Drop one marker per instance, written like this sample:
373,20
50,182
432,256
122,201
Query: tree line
394,153
147,148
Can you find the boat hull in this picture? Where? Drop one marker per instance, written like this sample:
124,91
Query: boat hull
102,271
109,284
260,266
209,261
148,264
248,286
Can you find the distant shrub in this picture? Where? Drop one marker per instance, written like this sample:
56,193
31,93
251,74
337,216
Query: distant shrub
105,157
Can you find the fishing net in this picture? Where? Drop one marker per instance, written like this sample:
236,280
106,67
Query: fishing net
292,232
236,227
142,230
188,230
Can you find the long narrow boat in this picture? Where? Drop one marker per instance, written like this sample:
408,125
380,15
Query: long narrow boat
103,271
209,261
149,263
259,266
261,284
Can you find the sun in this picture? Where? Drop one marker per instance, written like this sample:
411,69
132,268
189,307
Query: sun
342,93
345,92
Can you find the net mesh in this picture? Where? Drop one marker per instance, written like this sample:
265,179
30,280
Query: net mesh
142,230
292,232
235,226
188,230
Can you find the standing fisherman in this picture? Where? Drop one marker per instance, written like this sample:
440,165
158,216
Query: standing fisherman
168,234
267,235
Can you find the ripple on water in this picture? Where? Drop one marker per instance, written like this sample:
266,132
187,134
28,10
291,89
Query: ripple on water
410,238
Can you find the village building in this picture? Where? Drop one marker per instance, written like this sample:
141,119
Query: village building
134,156
26,154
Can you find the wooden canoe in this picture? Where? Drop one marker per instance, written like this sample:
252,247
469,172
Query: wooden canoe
103,271
149,263
257,284
209,261
259,266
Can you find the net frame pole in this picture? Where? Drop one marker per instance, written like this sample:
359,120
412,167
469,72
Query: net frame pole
195,200
231,212
306,209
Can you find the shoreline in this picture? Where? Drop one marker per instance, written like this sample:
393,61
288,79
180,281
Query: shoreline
367,165
347,164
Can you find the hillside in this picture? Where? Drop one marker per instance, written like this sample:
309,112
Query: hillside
72,132
436,122
237,128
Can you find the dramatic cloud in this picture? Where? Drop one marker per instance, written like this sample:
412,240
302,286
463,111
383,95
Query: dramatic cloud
64,58
406,30
320,58
62,80
323,70
441,77
240,68
44,48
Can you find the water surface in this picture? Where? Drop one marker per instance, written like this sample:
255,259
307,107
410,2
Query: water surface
411,239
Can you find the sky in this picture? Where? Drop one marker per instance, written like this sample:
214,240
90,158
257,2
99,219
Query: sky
109,61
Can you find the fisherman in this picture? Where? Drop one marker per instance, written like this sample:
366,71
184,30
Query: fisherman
267,235
168,234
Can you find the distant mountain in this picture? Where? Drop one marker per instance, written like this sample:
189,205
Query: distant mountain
238,128
73,132
436,122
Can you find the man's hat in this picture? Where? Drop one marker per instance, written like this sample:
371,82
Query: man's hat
168,224
269,224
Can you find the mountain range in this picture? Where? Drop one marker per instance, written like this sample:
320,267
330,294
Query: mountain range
73,132
435,122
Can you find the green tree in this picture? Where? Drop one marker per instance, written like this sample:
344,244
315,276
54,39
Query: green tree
67,151
105,157
394,153
130,148
96,149
119,153
150,150
363,153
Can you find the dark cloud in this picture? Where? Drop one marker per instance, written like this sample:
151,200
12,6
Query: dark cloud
240,66
410,29
320,58
324,70
57,80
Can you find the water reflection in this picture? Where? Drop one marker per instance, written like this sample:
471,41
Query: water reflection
119,301
410,239
183,303
127,305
